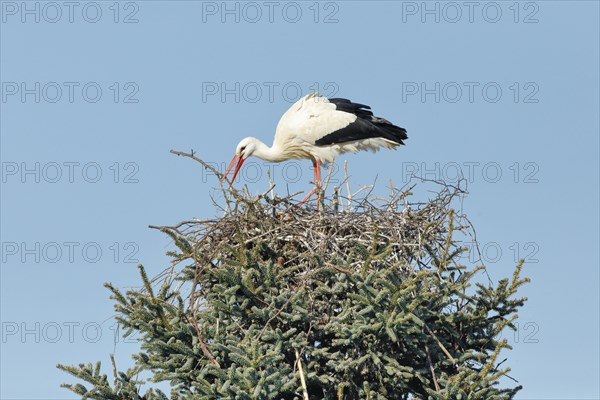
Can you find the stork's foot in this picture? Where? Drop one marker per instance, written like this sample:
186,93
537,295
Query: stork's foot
314,190
308,196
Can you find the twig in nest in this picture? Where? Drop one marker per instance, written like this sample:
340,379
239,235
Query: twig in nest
193,157
347,184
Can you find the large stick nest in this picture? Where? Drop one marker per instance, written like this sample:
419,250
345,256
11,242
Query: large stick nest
330,230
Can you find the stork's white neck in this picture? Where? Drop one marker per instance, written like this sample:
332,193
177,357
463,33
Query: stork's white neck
268,153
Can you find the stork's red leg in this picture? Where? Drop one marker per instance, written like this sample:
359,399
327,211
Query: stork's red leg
318,182
317,171
317,167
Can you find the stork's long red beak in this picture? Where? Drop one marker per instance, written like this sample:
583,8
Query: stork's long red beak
239,161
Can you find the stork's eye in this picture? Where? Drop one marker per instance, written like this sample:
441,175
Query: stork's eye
243,148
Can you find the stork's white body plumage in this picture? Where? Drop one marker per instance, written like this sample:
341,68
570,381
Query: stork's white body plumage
311,118
319,129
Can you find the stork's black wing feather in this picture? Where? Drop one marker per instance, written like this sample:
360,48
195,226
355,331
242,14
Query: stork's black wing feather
366,126
348,106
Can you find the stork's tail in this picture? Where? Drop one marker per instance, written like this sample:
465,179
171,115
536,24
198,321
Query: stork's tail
389,131
371,126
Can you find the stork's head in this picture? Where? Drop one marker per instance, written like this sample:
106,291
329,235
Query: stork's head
244,149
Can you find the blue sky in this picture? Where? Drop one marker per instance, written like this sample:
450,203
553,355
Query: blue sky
95,94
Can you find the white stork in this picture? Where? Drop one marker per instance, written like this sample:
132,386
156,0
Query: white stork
318,129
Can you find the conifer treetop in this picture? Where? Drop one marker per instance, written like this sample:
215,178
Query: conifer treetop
364,298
